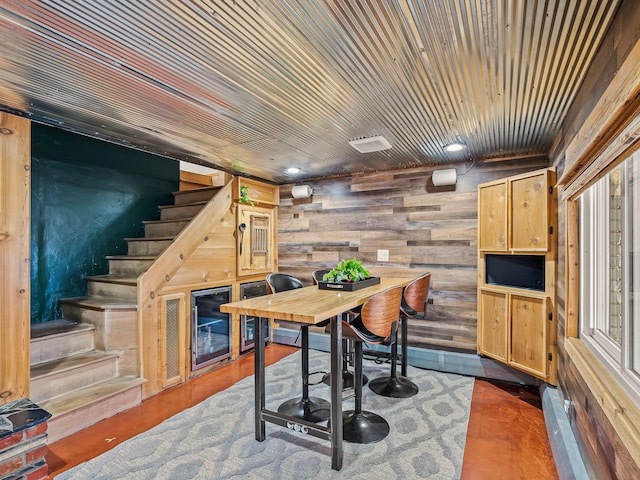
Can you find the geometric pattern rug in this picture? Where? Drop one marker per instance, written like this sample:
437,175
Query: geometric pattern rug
215,439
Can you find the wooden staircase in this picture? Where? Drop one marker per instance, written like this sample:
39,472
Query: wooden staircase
86,367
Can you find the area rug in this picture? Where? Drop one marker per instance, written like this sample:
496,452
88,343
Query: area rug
215,439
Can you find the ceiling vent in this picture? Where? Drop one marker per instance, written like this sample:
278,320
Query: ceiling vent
371,144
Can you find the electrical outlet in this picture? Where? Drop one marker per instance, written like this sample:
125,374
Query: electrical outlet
383,255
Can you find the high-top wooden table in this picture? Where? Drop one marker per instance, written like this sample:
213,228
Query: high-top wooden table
305,307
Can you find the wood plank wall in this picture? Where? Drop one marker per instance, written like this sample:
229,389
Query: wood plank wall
425,228
600,444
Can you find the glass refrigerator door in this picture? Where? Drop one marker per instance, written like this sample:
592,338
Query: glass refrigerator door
211,340
247,334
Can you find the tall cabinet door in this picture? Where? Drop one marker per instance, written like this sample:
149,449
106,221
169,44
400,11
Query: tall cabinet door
173,339
492,209
256,238
15,161
530,213
529,336
493,331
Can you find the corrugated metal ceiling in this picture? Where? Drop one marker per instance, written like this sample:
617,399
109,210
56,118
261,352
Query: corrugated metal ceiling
253,87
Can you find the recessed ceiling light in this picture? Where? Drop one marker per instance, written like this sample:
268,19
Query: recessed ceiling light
455,147
293,170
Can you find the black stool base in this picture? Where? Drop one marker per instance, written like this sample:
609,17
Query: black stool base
347,380
363,427
312,409
396,387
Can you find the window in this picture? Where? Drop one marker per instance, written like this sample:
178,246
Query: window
610,271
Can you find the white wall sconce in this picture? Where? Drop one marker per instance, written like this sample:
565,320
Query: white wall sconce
444,177
301,191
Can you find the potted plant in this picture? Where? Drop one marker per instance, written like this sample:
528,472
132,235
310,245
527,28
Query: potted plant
244,195
348,275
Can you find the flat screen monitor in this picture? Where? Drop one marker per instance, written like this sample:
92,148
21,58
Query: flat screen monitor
519,271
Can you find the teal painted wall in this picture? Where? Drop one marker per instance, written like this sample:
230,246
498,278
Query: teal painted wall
87,196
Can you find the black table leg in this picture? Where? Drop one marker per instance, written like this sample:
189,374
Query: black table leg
259,379
336,392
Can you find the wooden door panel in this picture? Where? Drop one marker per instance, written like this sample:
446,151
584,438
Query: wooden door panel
492,206
493,332
256,240
529,213
529,334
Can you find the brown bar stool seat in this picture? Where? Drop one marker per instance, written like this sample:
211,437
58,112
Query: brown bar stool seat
347,357
311,409
414,299
376,324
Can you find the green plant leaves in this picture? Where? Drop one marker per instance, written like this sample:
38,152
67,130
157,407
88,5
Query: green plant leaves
347,271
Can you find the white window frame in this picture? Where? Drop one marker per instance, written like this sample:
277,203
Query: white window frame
594,286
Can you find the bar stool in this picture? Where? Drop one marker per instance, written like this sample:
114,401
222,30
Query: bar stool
347,348
414,299
311,409
376,324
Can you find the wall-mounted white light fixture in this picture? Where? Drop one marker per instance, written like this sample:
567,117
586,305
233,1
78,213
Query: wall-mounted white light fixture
444,177
301,191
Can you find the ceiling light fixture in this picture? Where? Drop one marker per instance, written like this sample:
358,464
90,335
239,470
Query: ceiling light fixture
370,144
455,147
293,170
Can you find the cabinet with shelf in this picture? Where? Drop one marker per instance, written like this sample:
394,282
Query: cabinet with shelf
516,272
256,240
515,329
516,213
256,222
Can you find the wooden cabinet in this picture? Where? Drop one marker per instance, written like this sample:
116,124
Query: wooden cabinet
515,213
173,348
256,235
256,240
515,329
517,218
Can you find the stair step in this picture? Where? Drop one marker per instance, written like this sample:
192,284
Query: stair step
162,228
51,328
113,286
78,409
96,302
148,246
60,339
54,378
173,212
132,265
204,194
